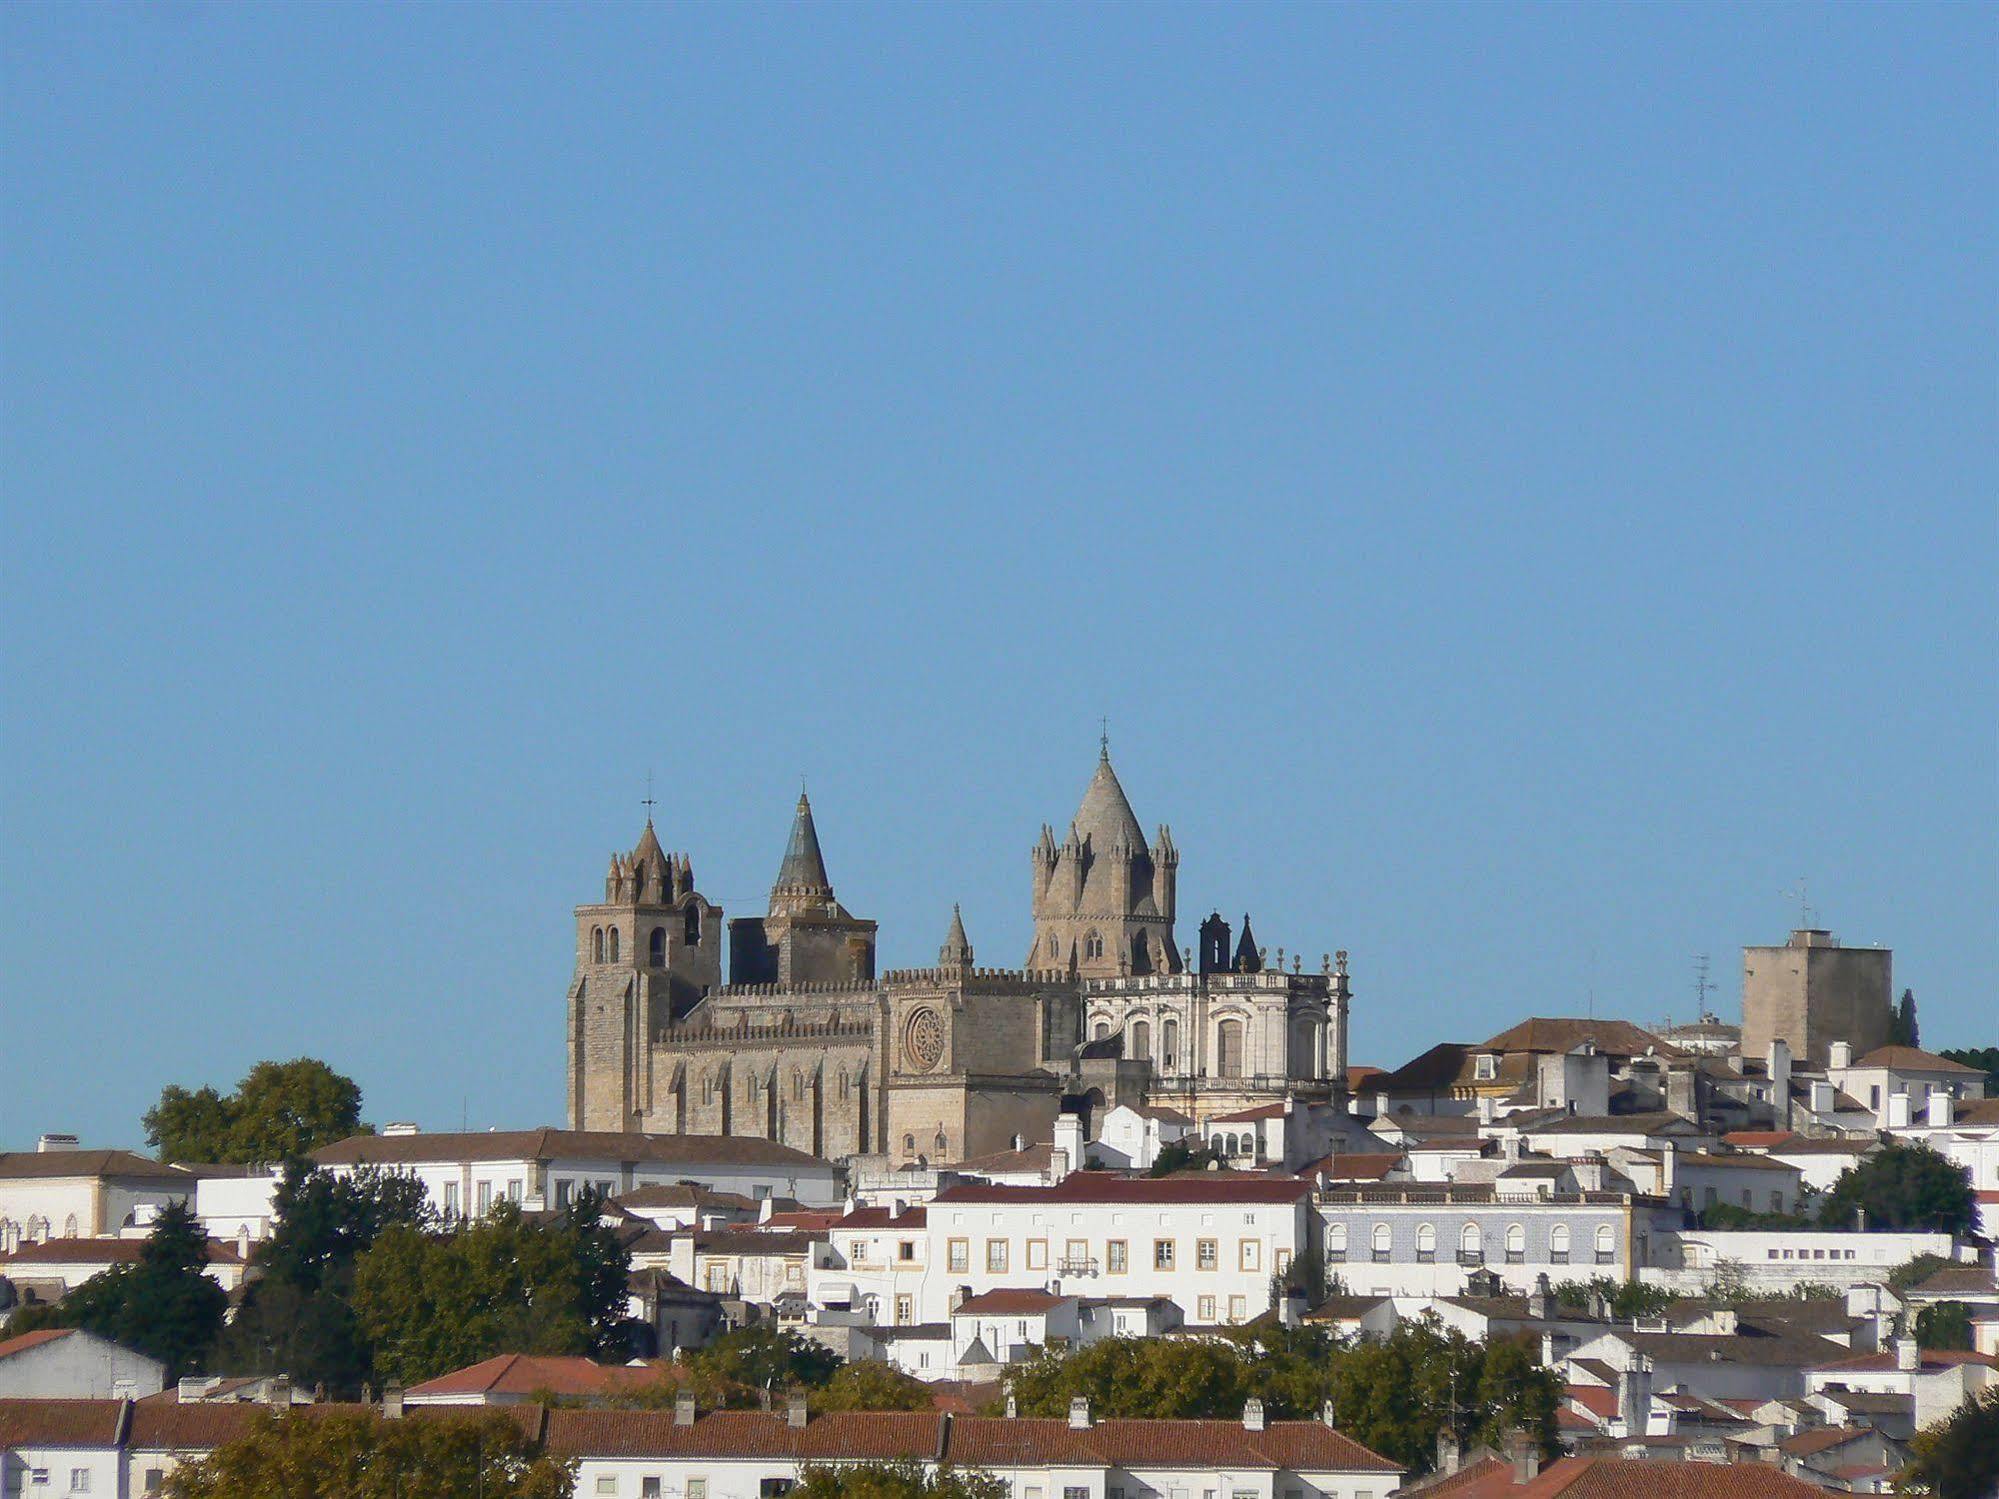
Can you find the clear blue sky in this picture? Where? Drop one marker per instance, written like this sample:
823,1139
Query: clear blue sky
1520,482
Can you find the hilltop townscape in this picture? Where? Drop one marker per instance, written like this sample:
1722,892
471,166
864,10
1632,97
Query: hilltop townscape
1125,1221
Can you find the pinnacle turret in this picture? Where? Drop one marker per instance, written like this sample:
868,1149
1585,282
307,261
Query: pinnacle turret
957,949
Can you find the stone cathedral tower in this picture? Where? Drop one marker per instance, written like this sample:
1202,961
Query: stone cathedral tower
645,955
1103,900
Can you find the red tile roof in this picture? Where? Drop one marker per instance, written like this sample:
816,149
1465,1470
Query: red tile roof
1757,1139
1249,1116
1913,1059
1661,1478
527,1374
103,1252
1011,1302
35,1339
879,1218
58,1423
1933,1360
1105,1186
117,1164
1370,1165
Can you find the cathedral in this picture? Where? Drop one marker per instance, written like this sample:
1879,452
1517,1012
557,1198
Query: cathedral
806,1044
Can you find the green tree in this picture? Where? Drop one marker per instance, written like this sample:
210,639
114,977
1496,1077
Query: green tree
898,1480
1626,1299
361,1455
1902,1027
1903,1187
1958,1458
279,1111
748,1365
432,1302
163,1305
871,1386
1944,1324
1135,1377
1913,1272
1179,1155
298,1315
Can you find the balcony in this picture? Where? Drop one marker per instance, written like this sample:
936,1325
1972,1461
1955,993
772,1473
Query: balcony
1076,1267
1471,1256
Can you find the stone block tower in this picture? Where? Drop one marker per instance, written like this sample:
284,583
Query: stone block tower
1103,901
1812,992
645,955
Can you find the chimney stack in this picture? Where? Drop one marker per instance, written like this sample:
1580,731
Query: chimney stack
1448,1454
1898,1109
1780,1081
392,1402
1328,1414
1939,1108
1524,1455
1634,1395
278,1392
1079,1413
1908,1356
1840,1054
1252,1415
683,1409
794,1409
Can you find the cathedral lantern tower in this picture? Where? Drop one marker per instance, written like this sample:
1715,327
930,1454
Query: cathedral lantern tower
1103,899
808,937
645,955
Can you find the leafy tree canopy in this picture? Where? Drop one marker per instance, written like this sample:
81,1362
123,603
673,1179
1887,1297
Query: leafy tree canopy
1902,1027
279,1111
297,1317
1627,1299
1958,1458
747,1366
164,1305
871,1385
1393,1394
432,1302
901,1480
1944,1324
1903,1188
360,1455
1913,1272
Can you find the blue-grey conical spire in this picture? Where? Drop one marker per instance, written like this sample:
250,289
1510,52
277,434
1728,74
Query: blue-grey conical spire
804,869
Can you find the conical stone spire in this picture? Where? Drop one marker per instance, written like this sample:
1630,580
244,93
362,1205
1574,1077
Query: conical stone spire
957,949
802,876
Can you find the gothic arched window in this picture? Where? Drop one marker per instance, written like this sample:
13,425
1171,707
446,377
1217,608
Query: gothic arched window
1169,1044
1141,954
843,1082
657,947
942,1144
611,944
797,1084
1103,1029
693,919
909,1145
1140,1049
1093,946
597,944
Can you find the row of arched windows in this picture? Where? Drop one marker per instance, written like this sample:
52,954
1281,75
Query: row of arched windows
1471,1244
604,940
37,1230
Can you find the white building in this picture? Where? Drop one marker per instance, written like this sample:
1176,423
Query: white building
68,1263
1131,1136
874,1266
59,1192
1209,1243
1772,1262
70,1363
1937,1380
113,1447
1908,1071
1410,1240
540,1169
1967,1133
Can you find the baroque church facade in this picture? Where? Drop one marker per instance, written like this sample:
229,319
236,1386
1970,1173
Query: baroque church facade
806,1044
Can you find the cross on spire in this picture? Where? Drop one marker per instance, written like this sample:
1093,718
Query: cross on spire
1104,737
648,803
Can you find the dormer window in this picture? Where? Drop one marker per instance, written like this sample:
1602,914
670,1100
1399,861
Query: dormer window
1487,1068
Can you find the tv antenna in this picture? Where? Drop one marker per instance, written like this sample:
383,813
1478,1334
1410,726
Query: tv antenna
1701,987
1802,896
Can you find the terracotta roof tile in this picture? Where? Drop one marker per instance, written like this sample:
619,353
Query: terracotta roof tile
35,1339
58,1423
526,1374
1913,1059
1011,1302
102,1252
1104,1186
23,1165
1661,1478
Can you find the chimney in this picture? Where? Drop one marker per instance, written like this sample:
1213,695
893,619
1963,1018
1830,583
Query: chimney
1079,1413
1669,1169
1821,1100
794,1409
1252,1414
1448,1454
1069,1152
400,1127
1908,1356
683,1409
1634,1395
1328,1413
1524,1455
1488,1108
1940,1108
1012,1407
1898,1109
1840,1054
48,1143
392,1402
1291,1306
1539,1304
1780,1081
279,1392
1019,1143
1381,1105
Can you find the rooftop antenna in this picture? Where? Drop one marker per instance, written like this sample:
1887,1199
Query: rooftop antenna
1802,896
1701,988
648,803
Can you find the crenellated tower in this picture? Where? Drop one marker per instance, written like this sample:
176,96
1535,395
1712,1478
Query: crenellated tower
645,955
